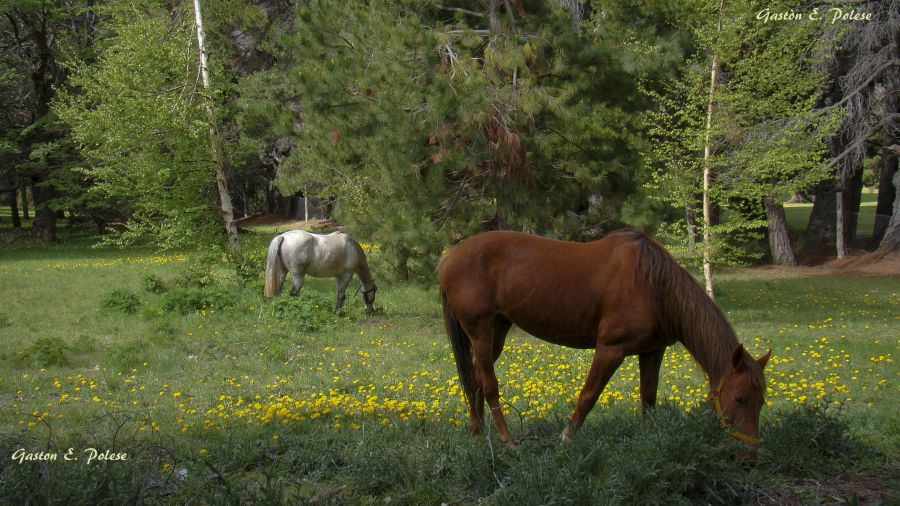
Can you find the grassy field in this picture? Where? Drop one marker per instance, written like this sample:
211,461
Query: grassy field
219,396
797,215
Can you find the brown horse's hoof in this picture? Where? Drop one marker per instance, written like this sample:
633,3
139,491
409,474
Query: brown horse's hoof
566,436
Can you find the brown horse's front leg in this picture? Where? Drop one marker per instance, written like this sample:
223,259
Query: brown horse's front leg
649,364
606,360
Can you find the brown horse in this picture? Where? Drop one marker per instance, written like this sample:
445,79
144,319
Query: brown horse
621,295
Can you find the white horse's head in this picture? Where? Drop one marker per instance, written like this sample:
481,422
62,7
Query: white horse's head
369,297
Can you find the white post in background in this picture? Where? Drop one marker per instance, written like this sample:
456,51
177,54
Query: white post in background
839,228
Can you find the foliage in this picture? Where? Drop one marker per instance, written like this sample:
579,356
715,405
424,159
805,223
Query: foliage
188,299
135,118
36,148
767,140
813,439
46,352
153,283
309,312
121,300
427,127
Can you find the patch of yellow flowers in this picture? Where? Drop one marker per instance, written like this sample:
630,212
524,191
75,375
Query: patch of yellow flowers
538,381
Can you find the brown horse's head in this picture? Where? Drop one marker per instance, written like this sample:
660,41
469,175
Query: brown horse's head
740,396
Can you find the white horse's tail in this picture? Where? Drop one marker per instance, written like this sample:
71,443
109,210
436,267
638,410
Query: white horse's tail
275,269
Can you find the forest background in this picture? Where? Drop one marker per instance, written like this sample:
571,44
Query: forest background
417,123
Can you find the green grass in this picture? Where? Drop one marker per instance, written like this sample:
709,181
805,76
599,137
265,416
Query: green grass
242,400
797,215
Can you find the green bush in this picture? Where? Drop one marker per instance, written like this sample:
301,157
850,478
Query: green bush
185,300
154,284
121,300
309,312
811,439
252,266
46,352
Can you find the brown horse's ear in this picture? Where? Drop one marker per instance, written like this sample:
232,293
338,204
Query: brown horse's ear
764,359
737,361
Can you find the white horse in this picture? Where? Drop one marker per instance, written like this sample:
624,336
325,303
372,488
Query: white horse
336,255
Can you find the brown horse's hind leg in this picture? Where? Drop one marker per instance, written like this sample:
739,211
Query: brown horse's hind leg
649,364
488,336
476,412
606,360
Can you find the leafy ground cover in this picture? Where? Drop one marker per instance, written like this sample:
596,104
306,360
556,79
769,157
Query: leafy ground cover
218,395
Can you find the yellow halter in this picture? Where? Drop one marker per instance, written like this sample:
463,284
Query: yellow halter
714,398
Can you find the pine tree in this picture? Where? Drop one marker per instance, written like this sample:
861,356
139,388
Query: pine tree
427,123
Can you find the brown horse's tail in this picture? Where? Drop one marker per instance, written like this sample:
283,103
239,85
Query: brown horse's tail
275,269
462,350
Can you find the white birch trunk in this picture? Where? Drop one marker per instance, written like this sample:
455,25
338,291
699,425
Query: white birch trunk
707,162
215,140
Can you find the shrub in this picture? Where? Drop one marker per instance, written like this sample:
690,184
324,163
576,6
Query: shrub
812,439
309,312
46,352
252,266
121,300
154,284
194,298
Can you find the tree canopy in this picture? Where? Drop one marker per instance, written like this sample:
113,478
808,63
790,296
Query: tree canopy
418,123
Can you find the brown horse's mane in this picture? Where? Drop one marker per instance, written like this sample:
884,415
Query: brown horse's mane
684,312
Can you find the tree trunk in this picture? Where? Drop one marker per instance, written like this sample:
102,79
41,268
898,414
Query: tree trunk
691,229
14,209
851,199
707,176
44,224
891,241
215,140
779,240
886,192
25,202
820,231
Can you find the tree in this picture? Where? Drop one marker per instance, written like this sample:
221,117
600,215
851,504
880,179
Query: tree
34,35
428,123
220,162
761,141
862,73
137,118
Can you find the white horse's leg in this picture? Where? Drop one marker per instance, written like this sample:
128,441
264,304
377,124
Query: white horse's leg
297,278
342,281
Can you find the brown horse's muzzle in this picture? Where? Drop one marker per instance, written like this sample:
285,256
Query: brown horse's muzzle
751,439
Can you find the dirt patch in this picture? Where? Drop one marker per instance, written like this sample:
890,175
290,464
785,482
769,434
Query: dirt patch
862,489
282,224
873,264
